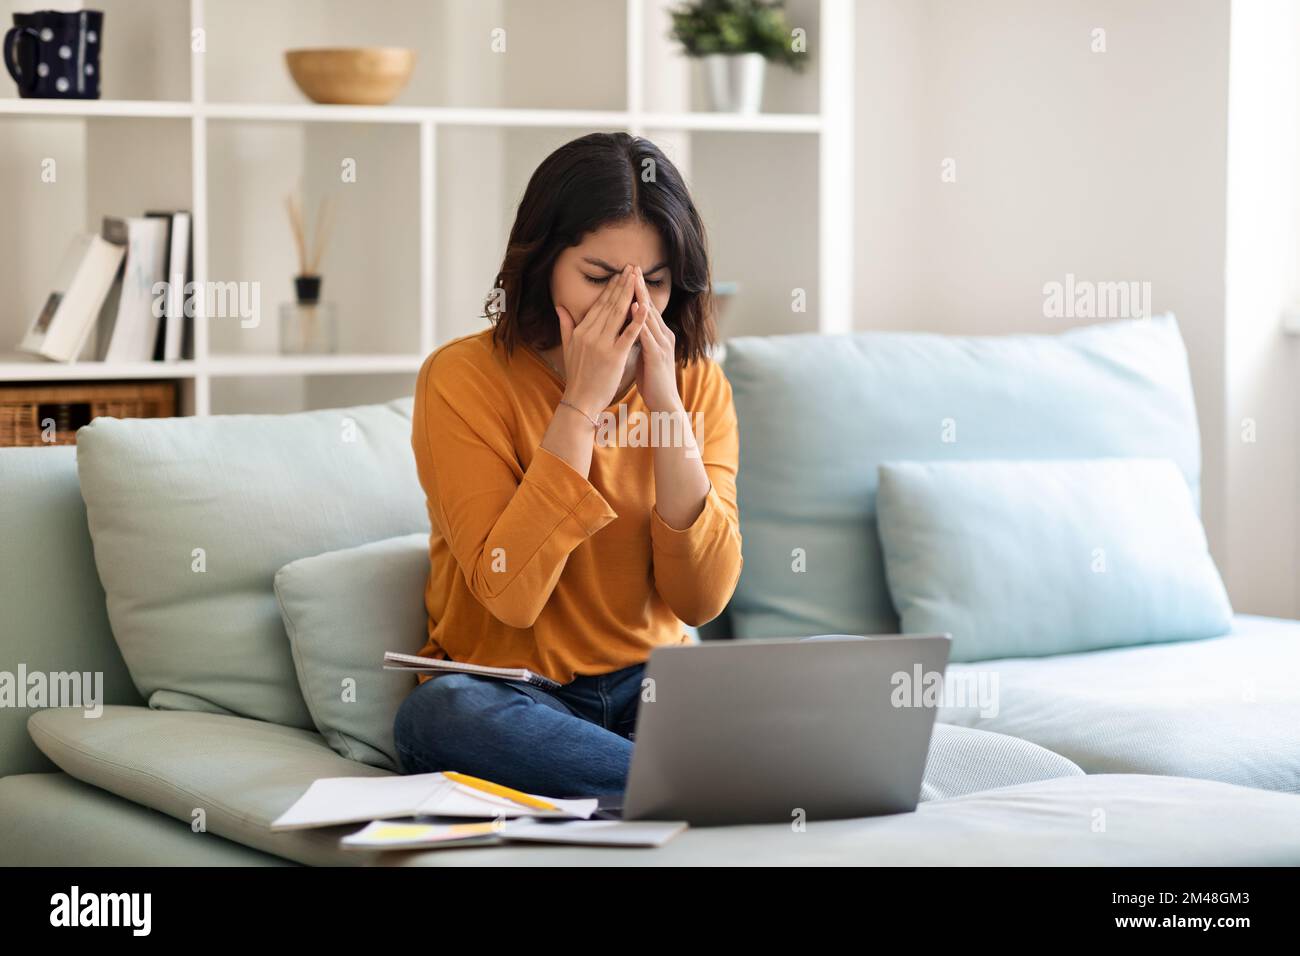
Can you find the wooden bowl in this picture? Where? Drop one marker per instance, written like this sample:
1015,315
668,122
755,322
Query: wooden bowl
366,76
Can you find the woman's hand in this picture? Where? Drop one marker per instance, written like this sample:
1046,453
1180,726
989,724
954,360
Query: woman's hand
656,371
595,351
681,483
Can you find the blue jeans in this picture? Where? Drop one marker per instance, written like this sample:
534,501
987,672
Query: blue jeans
570,742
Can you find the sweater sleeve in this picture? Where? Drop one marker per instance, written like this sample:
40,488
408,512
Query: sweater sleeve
696,568
511,530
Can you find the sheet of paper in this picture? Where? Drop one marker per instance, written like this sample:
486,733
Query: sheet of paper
595,832
337,800
415,835
454,800
334,800
405,835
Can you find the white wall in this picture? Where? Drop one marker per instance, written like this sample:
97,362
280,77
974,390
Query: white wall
1110,166
1263,364
40,217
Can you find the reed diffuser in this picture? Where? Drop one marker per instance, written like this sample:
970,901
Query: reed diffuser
309,325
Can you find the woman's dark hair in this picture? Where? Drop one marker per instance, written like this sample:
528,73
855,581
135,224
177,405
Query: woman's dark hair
593,181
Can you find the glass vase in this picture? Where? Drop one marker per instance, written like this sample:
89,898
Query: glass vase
308,329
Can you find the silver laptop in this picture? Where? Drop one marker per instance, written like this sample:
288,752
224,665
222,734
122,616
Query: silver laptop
760,731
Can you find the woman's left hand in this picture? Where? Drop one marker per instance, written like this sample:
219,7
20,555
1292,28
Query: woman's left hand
656,371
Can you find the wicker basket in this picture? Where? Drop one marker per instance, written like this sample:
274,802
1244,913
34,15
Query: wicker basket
25,409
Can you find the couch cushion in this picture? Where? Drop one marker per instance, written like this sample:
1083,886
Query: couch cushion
1104,820
963,760
192,517
819,414
54,620
244,773
343,610
52,819
1030,558
240,773
1226,708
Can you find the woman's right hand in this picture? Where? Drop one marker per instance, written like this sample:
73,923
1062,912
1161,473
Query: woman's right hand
595,351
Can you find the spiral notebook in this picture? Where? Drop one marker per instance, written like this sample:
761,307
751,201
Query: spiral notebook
432,665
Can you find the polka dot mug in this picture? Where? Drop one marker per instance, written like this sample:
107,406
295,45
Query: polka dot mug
55,55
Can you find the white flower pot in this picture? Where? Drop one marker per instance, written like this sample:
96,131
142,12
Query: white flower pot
735,81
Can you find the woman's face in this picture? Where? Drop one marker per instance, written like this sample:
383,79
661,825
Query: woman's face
582,271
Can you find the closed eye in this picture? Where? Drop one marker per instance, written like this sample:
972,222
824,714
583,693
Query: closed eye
601,280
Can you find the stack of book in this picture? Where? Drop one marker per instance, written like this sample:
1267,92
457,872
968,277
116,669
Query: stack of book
120,296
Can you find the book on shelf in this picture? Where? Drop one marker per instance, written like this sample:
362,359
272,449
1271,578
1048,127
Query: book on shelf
129,323
86,273
187,323
174,332
127,286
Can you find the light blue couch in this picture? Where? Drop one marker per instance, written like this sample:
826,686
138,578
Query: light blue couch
818,415
176,778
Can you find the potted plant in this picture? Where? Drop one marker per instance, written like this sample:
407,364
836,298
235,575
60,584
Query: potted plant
735,39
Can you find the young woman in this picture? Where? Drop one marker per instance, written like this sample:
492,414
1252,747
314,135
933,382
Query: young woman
579,459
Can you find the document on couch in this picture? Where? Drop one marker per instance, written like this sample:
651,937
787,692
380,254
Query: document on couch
415,664
408,835
335,800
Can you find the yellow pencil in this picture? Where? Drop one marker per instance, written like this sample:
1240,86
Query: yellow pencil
487,786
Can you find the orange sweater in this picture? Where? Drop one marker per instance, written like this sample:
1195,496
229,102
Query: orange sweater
532,565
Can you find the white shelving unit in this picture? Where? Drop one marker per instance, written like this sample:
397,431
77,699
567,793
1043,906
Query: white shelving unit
831,125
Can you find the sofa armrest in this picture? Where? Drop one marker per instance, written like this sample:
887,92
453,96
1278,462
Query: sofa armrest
226,775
